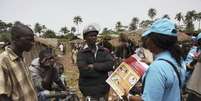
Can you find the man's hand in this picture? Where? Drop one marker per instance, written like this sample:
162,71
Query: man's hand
46,92
125,96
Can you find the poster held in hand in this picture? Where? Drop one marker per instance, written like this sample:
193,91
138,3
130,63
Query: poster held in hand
127,74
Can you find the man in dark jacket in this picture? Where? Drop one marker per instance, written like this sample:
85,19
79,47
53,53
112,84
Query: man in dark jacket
94,63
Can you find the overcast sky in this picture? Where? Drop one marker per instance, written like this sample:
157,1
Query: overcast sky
58,13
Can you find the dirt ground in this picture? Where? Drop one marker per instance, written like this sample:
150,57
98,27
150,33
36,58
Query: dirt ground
71,72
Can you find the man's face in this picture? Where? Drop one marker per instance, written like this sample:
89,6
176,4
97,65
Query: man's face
91,37
47,61
25,41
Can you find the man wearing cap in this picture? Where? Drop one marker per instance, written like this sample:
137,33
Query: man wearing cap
94,63
166,74
15,78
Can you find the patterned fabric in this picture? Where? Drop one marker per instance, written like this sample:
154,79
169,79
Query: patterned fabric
37,74
15,79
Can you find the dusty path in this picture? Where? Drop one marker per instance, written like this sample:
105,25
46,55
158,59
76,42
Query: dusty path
71,71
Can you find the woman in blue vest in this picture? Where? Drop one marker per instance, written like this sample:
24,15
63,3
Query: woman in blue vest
164,78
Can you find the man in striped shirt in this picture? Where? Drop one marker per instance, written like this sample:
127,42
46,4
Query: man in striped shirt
15,79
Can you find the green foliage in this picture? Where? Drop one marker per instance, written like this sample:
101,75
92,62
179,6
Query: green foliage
64,30
145,23
179,17
189,18
5,27
119,27
134,24
107,31
152,13
77,20
198,18
37,28
5,37
73,30
49,34
69,36
166,16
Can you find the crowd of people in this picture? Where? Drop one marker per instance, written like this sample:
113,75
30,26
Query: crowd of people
170,73
43,80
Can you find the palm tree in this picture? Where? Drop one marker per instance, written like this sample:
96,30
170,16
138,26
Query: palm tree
38,28
3,26
77,20
145,24
9,25
152,13
64,30
49,34
179,17
189,18
119,26
166,16
134,24
198,18
44,29
105,31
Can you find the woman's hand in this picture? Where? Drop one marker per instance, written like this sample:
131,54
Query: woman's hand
145,60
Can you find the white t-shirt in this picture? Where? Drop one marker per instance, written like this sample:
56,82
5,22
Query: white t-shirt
61,47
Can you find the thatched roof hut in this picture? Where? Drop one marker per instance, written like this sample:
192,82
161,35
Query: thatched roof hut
133,36
182,37
40,43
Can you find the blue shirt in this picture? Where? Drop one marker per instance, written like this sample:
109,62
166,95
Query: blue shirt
191,53
161,82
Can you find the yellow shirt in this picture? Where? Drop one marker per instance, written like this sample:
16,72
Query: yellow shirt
15,79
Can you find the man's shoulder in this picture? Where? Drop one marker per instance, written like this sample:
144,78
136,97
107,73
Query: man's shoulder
34,64
4,60
100,48
104,49
4,53
83,50
3,56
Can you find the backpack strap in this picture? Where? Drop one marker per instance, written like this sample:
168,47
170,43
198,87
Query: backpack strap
175,69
